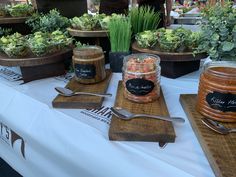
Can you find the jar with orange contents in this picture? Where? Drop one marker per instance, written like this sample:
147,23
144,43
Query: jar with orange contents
217,91
141,77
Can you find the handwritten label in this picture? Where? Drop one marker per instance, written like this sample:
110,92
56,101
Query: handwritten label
225,102
85,71
139,87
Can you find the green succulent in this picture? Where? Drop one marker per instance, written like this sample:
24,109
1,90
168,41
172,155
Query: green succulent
85,22
59,40
14,45
146,39
38,43
20,10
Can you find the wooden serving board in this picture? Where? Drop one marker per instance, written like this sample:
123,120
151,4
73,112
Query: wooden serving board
219,149
141,129
83,101
82,33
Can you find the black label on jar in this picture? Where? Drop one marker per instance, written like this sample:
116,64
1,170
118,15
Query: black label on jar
225,102
85,71
139,87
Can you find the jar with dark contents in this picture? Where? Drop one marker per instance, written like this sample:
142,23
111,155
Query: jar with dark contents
217,91
89,64
141,77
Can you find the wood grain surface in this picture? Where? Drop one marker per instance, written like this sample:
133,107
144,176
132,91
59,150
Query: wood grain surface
83,101
82,33
35,61
12,20
141,129
220,150
169,56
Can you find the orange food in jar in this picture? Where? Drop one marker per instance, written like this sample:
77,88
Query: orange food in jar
141,77
217,91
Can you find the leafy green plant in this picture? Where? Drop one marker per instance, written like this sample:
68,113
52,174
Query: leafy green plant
120,34
48,22
178,40
38,43
219,32
3,10
5,31
20,10
144,18
78,44
146,39
85,22
42,43
14,45
59,40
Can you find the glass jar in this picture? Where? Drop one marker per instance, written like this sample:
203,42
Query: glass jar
141,77
217,91
89,64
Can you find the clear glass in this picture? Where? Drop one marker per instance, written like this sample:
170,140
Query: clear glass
141,77
217,91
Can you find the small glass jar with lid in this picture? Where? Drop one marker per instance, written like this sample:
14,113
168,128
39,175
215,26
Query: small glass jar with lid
89,64
141,77
217,91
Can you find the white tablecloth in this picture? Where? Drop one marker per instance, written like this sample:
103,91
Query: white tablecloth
60,142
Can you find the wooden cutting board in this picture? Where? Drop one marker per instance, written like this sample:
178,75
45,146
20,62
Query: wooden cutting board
83,101
141,129
219,149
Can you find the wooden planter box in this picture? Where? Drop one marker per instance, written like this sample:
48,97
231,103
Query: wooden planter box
33,68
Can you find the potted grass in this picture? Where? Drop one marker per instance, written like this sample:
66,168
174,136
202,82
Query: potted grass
144,18
120,40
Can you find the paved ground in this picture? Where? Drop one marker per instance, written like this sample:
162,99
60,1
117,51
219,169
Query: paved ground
6,170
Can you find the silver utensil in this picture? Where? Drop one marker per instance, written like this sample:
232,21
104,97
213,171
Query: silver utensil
67,93
126,115
217,127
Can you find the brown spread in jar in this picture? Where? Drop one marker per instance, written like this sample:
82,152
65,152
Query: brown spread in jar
89,64
217,91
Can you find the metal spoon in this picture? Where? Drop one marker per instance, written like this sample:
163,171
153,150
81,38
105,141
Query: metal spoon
126,115
67,92
217,127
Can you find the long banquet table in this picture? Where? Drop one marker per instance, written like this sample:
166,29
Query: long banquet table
38,140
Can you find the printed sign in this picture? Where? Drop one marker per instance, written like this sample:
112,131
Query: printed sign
102,114
85,71
225,102
139,87
10,137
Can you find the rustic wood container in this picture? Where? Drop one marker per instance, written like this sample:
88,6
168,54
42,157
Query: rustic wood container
89,64
217,91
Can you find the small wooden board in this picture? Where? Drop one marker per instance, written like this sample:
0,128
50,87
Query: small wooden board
141,129
82,33
83,101
219,149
